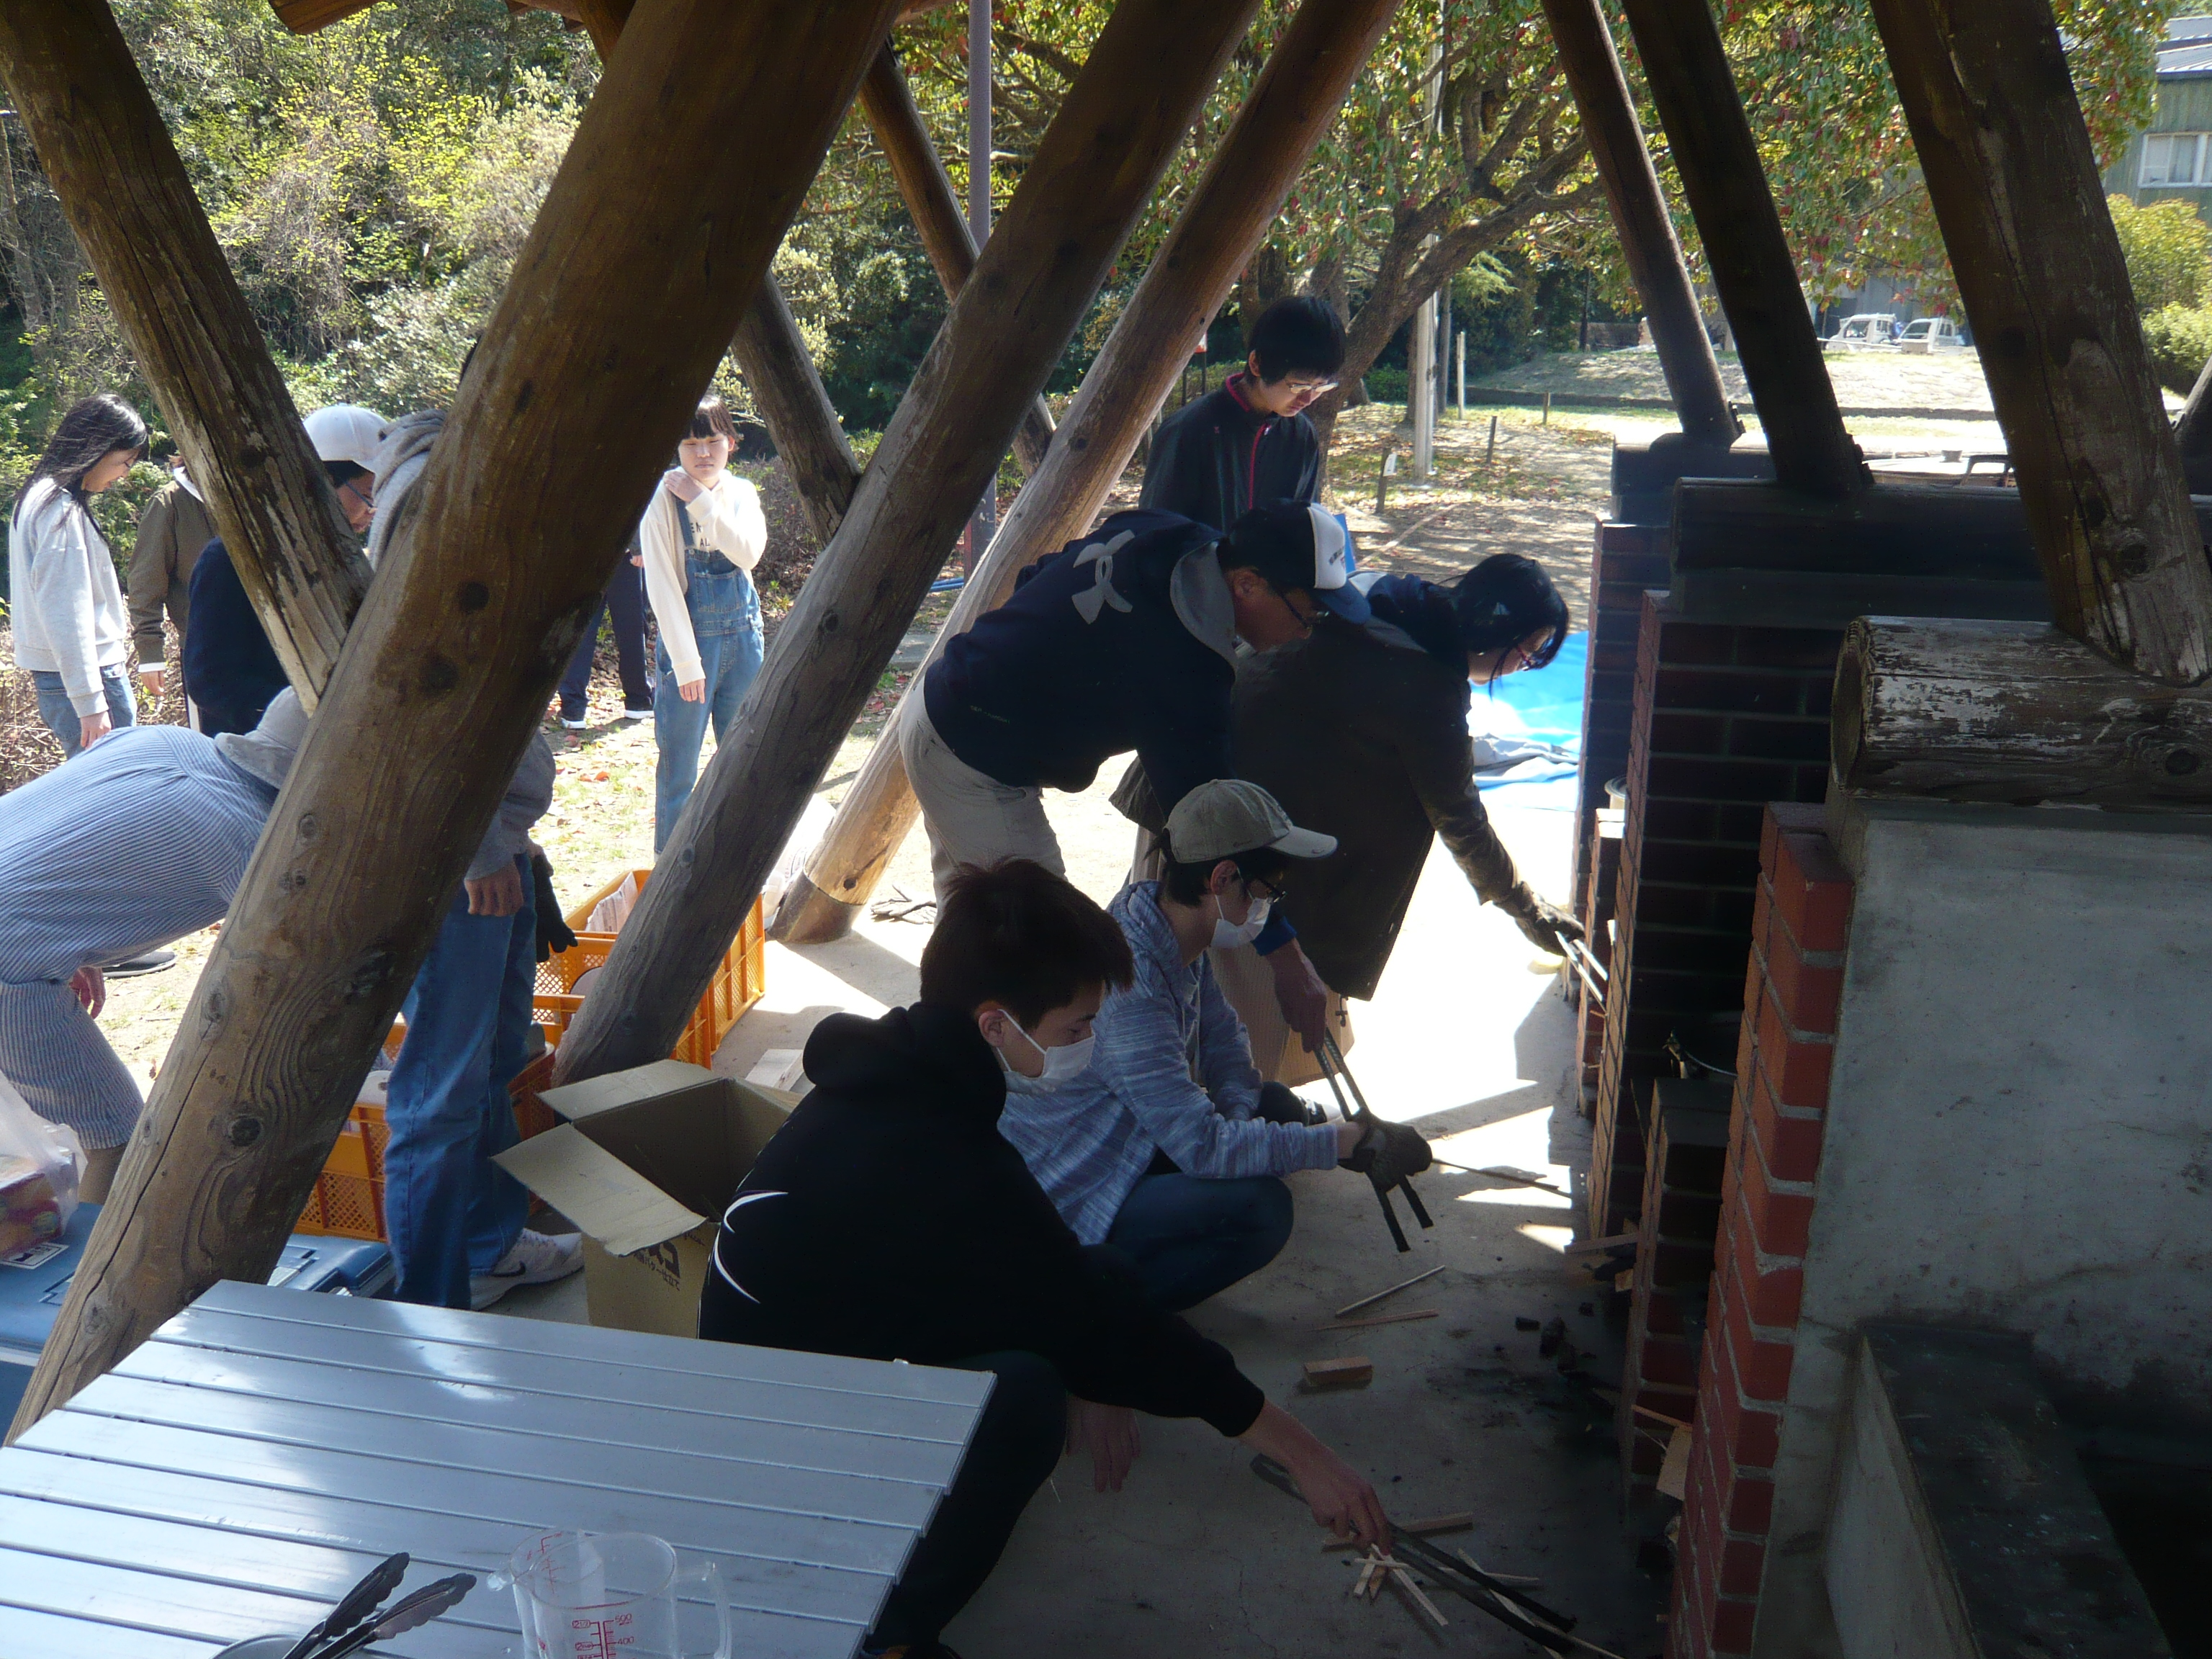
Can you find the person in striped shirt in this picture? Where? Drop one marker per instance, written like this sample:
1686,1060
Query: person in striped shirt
1169,1146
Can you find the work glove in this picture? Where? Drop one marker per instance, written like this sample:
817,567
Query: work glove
1389,1153
1541,922
553,932
1277,1104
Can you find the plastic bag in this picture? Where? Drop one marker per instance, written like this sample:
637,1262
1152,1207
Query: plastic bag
40,1165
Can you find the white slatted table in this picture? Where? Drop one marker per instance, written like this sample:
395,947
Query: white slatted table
265,1448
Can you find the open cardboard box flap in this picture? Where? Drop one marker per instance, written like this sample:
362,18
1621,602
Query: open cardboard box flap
649,1154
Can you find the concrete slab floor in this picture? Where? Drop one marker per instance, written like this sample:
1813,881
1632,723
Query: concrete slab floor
1197,1556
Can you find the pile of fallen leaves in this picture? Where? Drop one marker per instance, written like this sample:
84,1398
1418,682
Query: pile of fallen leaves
28,749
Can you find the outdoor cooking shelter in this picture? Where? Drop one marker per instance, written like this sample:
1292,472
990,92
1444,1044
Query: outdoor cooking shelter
1916,795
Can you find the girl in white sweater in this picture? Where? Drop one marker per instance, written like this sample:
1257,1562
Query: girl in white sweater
702,535
72,631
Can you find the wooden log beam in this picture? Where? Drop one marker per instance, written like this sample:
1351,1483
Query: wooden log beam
1647,236
1291,107
2015,189
562,425
1146,76
1718,162
123,186
788,389
927,189
2016,713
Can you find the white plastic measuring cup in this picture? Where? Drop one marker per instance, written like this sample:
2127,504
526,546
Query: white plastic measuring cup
606,1595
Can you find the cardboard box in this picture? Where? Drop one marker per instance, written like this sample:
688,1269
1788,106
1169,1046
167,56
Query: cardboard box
644,1163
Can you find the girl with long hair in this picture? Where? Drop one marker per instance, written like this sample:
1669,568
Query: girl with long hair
72,630
702,535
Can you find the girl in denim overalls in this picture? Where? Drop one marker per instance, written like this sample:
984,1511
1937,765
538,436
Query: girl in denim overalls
701,535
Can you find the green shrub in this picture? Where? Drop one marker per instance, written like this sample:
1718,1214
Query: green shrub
1386,386
2168,249
2180,342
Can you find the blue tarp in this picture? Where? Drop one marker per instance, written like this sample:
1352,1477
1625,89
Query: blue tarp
1543,706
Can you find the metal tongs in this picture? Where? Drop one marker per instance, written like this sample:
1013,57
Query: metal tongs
1585,963
1521,1613
1339,1080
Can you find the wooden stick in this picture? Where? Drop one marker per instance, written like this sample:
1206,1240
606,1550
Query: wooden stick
1659,1417
1999,139
1146,78
1717,158
1426,1527
1405,1577
123,186
1370,1301
1380,1319
788,389
1646,231
1600,1246
491,569
1236,200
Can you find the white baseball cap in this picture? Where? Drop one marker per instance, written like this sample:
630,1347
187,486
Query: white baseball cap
1220,819
1302,545
346,432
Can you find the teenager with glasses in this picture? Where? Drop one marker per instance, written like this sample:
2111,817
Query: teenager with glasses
1250,443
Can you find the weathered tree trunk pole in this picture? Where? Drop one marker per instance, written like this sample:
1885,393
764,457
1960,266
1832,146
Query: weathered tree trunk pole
564,422
1639,216
1146,76
123,185
788,388
1291,107
926,189
1757,278
2015,189
2012,712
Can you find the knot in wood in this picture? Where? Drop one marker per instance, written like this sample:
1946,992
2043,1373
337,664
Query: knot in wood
2180,763
309,827
472,596
367,979
439,675
243,1131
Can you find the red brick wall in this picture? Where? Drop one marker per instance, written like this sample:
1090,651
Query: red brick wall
1724,719
1801,928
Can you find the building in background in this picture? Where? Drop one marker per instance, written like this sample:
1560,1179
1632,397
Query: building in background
2173,158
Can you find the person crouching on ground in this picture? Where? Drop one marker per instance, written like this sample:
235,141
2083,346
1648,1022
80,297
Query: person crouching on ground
887,1220
1169,1147
702,535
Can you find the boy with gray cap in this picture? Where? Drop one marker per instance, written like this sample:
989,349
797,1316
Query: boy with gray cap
1169,1146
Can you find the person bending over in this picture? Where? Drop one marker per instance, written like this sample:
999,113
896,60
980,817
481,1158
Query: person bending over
1169,1147
887,1220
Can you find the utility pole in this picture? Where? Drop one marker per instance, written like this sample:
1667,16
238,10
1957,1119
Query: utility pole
1421,358
985,516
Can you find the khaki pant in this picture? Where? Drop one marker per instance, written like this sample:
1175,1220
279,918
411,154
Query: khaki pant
972,818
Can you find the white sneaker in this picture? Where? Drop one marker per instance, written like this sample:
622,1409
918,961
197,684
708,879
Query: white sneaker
637,713
536,1259
574,726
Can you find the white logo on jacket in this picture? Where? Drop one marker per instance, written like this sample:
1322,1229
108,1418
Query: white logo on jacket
1092,600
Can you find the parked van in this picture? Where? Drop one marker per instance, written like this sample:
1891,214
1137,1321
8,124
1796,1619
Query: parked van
1931,335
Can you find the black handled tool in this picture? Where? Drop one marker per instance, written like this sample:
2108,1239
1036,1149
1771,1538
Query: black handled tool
1518,1612
1340,1078
379,1582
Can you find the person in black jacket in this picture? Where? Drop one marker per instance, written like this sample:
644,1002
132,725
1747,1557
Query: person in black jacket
1250,443
1127,639
887,1220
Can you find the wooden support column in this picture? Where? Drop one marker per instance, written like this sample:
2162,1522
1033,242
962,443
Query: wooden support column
562,428
123,186
1291,107
788,388
1718,162
2015,186
1639,216
2192,434
1146,76
927,189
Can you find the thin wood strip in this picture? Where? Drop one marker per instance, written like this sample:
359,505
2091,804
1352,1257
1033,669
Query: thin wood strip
1370,1301
1381,1319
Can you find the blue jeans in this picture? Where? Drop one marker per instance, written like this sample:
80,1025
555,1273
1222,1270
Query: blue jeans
1189,1237
725,621
623,605
450,1211
61,717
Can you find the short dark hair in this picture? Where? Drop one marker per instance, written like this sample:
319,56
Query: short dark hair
1505,600
712,420
343,473
1017,935
1276,540
1185,883
1301,333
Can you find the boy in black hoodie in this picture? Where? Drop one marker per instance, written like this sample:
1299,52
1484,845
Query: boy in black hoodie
889,1220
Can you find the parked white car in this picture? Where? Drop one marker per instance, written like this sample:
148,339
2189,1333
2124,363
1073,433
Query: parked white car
1930,335
1870,331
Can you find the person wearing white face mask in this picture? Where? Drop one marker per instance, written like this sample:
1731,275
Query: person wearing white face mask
1168,1145
887,1220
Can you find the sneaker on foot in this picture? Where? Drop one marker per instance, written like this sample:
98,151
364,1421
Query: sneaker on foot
574,726
146,961
536,1259
637,713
